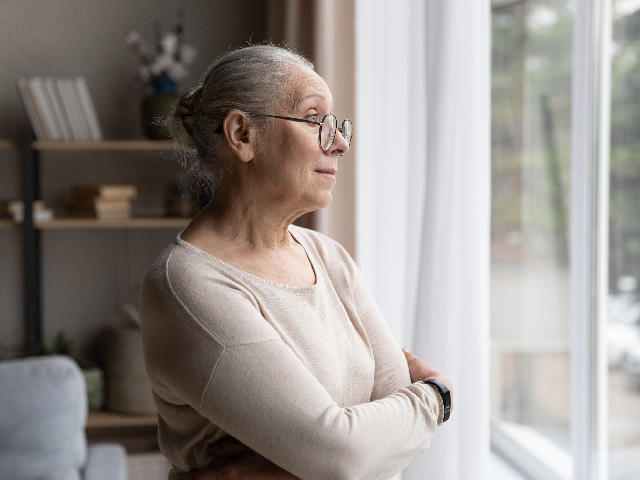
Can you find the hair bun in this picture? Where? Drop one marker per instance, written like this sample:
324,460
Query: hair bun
188,107
189,102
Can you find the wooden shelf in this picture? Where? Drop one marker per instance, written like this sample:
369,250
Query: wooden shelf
104,419
7,223
7,144
105,145
93,223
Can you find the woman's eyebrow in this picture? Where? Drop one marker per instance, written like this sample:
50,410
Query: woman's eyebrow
306,97
313,95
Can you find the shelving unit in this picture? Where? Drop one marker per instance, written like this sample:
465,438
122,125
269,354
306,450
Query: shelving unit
137,433
30,151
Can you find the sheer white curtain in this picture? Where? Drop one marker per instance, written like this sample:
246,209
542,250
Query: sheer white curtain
423,201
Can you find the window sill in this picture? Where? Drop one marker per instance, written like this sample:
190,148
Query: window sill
529,452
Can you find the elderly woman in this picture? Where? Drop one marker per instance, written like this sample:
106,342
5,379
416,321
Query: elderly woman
261,335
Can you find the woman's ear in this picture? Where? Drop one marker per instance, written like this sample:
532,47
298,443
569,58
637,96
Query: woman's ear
239,134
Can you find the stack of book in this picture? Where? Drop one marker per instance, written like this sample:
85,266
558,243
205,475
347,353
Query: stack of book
60,108
104,202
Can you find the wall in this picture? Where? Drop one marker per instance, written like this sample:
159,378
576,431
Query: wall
86,274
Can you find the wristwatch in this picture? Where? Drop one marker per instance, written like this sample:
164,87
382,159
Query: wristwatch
443,390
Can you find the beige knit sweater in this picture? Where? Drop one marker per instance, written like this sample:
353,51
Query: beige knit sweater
309,377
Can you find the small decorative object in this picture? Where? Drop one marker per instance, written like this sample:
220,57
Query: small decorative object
94,380
161,69
59,346
93,376
15,209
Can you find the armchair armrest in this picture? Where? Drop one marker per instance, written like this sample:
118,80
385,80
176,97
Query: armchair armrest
106,461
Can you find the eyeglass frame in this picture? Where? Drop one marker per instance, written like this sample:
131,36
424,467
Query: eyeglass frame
304,120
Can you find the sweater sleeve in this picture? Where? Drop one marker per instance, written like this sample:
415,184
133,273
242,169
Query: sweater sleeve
391,369
224,360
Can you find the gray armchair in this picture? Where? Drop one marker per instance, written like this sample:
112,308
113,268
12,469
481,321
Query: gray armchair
43,410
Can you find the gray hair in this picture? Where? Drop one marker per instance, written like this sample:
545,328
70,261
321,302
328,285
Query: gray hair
253,79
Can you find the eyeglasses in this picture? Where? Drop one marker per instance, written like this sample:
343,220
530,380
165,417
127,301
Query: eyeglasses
325,135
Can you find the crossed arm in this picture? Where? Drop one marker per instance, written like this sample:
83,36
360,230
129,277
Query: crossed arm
242,462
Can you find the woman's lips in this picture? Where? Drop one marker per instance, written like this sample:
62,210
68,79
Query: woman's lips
330,171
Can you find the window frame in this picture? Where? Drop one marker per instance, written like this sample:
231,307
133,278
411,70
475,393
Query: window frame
591,105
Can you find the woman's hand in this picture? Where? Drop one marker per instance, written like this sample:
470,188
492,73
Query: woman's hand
421,370
242,463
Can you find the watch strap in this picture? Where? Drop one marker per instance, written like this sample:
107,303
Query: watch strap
445,394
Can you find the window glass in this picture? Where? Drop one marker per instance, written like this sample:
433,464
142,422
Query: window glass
623,331
531,139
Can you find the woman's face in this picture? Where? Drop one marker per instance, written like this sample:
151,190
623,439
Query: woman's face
296,172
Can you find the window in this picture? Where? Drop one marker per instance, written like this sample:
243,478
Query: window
533,379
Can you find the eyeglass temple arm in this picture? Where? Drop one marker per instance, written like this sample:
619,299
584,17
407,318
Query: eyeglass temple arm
293,119
302,120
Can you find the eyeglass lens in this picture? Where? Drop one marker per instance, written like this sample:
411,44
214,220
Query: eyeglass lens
328,131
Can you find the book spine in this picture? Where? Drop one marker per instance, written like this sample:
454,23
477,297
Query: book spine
87,107
33,114
59,112
85,133
66,93
42,105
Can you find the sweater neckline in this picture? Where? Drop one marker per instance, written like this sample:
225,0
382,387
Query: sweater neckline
251,276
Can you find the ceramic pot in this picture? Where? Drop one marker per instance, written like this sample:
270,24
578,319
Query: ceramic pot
128,388
155,109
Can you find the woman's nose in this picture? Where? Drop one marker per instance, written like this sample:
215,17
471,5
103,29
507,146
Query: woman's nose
339,145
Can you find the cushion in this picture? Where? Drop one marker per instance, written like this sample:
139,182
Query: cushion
43,409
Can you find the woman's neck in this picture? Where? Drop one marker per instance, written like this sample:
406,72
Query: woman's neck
248,227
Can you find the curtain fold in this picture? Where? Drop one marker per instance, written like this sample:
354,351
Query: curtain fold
423,201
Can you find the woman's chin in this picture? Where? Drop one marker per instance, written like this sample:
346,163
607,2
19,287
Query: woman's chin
325,200
320,199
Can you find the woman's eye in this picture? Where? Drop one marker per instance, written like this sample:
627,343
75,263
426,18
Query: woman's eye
313,117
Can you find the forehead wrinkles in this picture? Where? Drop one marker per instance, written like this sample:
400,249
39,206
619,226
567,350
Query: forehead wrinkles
304,84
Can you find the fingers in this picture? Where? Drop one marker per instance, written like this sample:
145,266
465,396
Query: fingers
228,447
408,354
251,466
202,475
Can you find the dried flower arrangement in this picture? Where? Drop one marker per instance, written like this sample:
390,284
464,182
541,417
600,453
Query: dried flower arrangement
163,66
